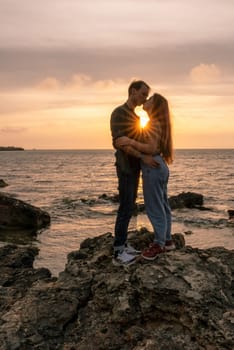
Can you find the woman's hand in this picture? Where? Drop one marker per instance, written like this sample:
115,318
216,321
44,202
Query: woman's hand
123,141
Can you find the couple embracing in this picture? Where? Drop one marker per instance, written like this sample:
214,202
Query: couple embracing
150,151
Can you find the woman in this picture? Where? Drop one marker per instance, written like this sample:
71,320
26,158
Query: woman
157,142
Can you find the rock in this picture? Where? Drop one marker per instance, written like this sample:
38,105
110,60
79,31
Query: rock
3,183
16,214
186,200
230,214
17,274
113,198
183,300
189,232
182,200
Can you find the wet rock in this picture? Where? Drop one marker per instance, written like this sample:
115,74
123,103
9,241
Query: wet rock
186,200
16,214
182,200
182,300
189,232
230,214
3,183
113,198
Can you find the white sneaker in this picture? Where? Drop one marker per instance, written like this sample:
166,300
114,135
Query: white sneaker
123,258
130,250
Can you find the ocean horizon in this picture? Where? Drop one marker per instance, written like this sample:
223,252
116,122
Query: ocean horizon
110,149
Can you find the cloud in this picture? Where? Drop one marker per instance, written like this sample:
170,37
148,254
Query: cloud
160,65
49,83
13,130
125,23
79,91
82,83
205,73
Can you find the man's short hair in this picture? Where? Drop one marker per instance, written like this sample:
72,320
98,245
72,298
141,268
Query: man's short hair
136,84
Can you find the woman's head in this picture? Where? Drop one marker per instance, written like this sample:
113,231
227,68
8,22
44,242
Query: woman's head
158,110
156,106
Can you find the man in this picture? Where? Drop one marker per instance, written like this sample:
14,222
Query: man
125,122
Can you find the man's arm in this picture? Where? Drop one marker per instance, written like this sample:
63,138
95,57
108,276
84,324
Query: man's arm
118,124
148,148
150,144
146,158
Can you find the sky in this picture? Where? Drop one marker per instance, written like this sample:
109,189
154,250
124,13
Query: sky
66,64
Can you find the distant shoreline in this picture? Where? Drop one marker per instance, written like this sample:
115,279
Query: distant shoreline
111,149
11,148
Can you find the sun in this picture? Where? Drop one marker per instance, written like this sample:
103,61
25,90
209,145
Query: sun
143,118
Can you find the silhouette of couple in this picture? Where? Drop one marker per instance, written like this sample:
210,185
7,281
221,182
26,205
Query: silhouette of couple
150,151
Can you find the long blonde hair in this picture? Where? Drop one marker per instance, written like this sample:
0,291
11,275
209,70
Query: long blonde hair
160,114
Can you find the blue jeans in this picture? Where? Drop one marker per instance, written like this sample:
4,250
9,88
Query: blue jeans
127,186
157,207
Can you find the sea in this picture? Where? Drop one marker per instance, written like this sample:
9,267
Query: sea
71,186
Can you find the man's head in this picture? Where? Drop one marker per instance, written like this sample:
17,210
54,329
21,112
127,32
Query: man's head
138,92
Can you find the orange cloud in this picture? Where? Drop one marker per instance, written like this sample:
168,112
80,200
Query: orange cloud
205,73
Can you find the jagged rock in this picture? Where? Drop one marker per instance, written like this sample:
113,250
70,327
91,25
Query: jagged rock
3,183
17,274
183,300
16,214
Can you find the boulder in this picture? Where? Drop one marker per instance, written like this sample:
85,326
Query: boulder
16,214
182,300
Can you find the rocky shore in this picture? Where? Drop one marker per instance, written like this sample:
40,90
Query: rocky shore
181,301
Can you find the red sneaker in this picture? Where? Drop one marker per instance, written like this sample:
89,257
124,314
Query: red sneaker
152,252
170,245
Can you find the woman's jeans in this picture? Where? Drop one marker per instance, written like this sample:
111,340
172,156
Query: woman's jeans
128,186
155,182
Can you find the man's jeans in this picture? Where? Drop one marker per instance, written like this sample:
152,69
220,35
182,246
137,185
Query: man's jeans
127,185
155,182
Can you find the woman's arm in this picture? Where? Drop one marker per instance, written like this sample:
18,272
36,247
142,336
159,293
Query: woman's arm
148,148
146,158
